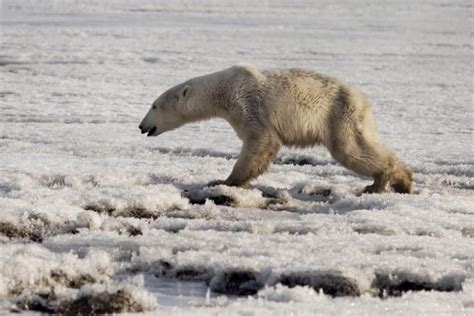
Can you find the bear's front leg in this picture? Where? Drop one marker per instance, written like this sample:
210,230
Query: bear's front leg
255,156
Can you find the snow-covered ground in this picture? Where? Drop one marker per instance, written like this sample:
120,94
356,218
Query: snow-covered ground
95,217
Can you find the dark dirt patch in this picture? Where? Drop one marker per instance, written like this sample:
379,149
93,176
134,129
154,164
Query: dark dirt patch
46,301
322,192
134,231
73,282
295,161
54,181
139,212
236,282
43,302
372,229
199,197
101,209
222,200
174,228
190,214
136,212
101,303
21,232
187,273
195,200
331,283
397,284
166,269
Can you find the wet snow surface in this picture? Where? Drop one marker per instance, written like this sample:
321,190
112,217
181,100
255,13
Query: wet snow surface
95,217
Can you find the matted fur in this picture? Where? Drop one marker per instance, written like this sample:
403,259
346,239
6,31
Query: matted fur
291,107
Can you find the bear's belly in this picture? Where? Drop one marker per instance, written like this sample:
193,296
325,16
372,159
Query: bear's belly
300,130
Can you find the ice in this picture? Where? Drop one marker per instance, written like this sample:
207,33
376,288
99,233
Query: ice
95,217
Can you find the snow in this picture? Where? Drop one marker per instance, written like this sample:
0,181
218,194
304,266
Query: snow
94,215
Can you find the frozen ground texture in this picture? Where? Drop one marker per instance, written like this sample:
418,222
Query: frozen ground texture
94,217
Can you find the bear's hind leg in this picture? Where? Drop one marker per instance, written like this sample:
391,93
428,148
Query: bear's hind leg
364,158
256,155
364,155
354,143
371,159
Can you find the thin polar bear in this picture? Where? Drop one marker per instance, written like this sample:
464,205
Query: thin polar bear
290,107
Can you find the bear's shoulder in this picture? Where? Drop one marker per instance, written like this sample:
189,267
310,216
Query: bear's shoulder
248,70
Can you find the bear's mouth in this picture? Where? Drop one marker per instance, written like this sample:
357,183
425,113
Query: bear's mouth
152,131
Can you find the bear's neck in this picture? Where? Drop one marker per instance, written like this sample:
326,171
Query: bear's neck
211,98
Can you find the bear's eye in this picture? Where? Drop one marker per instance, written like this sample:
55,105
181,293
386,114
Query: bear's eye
154,107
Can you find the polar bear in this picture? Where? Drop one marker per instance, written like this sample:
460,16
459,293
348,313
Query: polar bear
291,107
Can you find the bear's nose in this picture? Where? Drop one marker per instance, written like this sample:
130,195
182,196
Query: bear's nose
142,129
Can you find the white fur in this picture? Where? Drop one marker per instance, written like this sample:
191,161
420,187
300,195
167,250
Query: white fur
292,107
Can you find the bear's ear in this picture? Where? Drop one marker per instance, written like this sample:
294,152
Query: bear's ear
184,92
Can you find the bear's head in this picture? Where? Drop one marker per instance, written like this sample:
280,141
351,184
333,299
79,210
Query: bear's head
168,111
